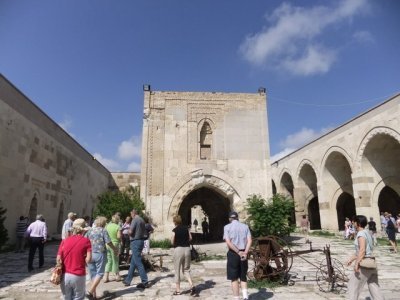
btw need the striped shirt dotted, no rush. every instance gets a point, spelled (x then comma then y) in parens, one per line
(37, 229)
(22, 225)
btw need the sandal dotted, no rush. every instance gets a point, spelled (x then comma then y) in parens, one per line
(176, 293)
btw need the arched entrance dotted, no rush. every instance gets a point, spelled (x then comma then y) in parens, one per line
(345, 208)
(389, 201)
(273, 188)
(287, 189)
(215, 206)
(313, 214)
(33, 208)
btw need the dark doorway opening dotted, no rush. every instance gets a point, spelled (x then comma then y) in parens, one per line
(313, 214)
(215, 206)
(389, 201)
(345, 208)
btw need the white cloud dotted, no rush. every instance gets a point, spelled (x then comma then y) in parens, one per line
(110, 164)
(302, 137)
(130, 149)
(289, 42)
(363, 37)
(134, 167)
(315, 60)
(281, 154)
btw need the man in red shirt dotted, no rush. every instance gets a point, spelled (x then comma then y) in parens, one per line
(74, 253)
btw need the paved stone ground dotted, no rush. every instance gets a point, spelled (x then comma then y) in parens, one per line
(209, 276)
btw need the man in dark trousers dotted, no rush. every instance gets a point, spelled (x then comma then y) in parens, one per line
(37, 233)
(238, 239)
(137, 234)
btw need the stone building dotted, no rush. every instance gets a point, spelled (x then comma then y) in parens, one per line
(203, 149)
(43, 170)
(353, 169)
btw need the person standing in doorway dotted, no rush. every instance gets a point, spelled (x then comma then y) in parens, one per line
(137, 234)
(238, 239)
(195, 224)
(67, 227)
(37, 233)
(22, 225)
(205, 228)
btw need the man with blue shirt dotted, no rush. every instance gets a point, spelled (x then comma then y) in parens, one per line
(238, 239)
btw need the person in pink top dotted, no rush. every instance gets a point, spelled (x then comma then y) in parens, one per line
(74, 253)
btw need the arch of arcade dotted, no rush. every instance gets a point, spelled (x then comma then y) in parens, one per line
(353, 169)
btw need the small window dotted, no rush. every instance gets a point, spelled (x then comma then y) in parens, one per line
(205, 141)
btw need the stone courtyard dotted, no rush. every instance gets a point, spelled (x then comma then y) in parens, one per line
(209, 276)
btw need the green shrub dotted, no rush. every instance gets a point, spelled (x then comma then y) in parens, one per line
(270, 217)
(123, 202)
(163, 244)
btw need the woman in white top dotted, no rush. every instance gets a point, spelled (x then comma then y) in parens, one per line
(364, 246)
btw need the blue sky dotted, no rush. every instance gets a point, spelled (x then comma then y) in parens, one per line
(84, 62)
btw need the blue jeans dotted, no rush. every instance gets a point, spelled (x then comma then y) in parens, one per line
(136, 262)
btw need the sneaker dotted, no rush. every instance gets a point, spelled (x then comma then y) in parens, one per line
(141, 285)
(125, 283)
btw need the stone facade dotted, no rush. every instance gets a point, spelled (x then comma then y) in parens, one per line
(123, 180)
(207, 149)
(43, 170)
(354, 169)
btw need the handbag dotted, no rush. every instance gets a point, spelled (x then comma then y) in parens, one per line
(56, 274)
(368, 263)
(194, 255)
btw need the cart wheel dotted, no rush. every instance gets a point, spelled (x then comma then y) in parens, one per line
(333, 280)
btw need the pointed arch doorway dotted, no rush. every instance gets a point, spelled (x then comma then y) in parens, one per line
(214, 206)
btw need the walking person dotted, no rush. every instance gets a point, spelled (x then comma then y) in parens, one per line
(114, 231)
(238, 239)
(67, 226)
(362, 275)
(391, 232)
(305, 227)
(195, 224)
(22, 225)
(372, 230)
(99, 238)
(149, 230)
(37, 233)
(180, 240)
(137, 234)
(74, 253)
(125, 238)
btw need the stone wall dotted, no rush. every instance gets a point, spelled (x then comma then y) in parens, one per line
(126, 179)
(43, 170)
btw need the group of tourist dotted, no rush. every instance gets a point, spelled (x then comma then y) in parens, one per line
(98, 248)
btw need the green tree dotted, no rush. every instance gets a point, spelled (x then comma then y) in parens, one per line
(121, 201)
(3, 230)
(270, 217)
